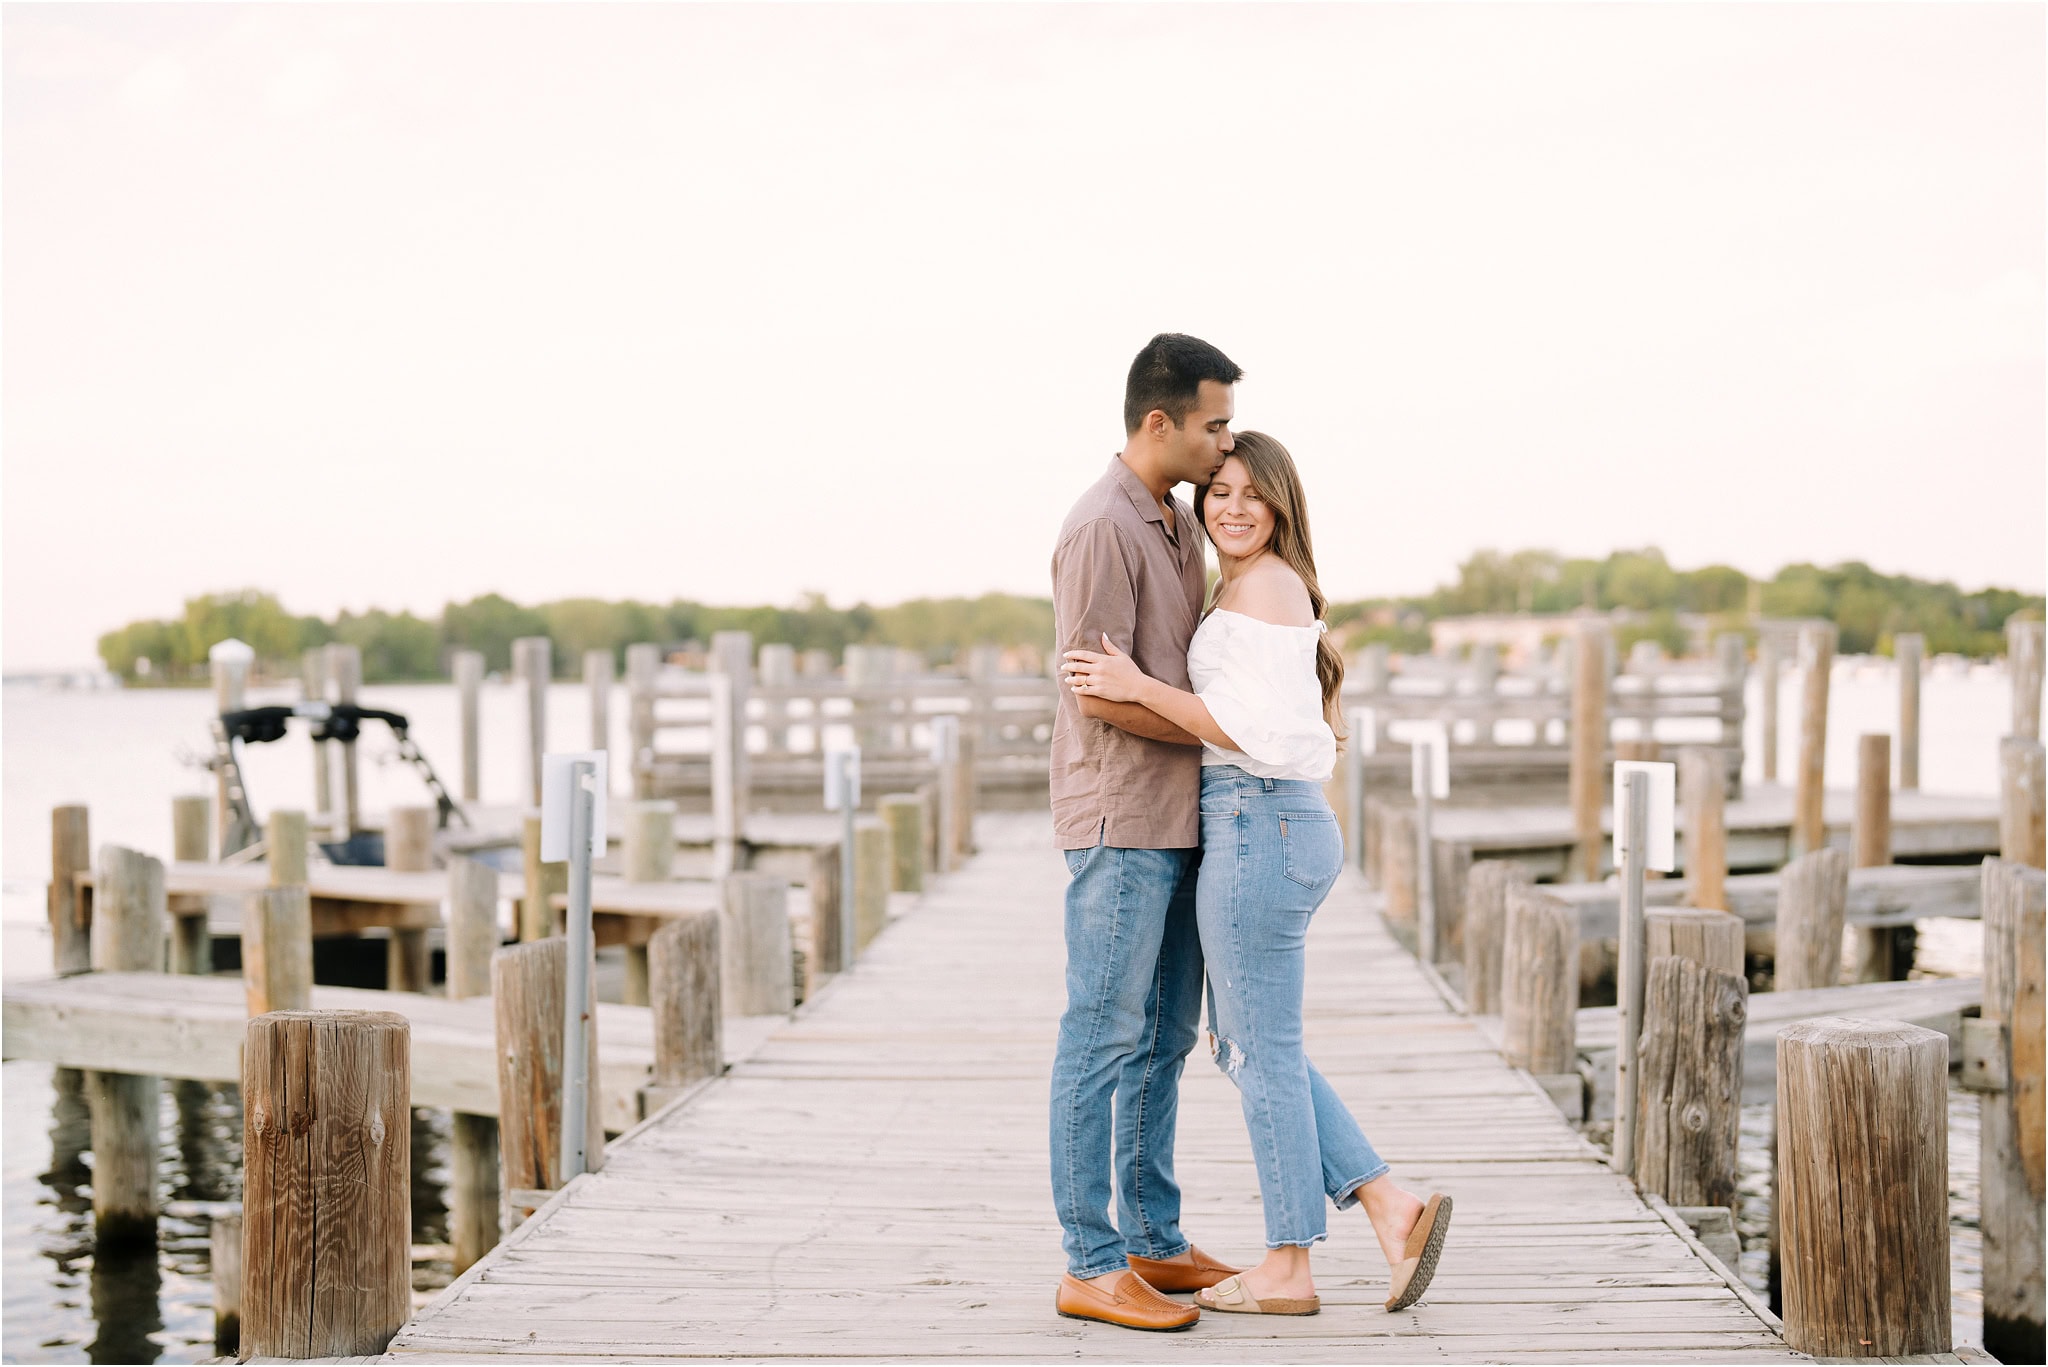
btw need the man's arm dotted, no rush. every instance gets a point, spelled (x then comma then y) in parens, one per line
(1136, 719)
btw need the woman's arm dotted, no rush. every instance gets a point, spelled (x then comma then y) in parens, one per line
(1112, 676)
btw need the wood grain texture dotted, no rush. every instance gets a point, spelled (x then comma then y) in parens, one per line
(684, 966)
(1863, 1188)
(327, 1194)
(130, 918)
(1690, 1071)
(543, 882)
(1485, 930)
(2009, 1121)
(529, 984)
(124, 1107)
(2022, 811)
(1813, 893)
(277, 950)
(1817, 661)
(1702, 797)
(826, 956)
(473, 934)
(1711, 938)
(758, 970)
(70, 910)
(1539, 982)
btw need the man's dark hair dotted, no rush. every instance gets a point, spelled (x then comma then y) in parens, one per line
(1168, 376)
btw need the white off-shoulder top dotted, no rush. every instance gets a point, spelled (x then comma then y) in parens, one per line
(1258, 680)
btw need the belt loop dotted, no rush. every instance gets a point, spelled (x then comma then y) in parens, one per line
(1268, 782)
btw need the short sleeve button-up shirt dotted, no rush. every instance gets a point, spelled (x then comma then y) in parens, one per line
(1121, 570)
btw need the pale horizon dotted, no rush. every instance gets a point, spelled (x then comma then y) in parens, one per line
(390, 306)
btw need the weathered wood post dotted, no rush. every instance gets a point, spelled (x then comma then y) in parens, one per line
(732, 655)
(727, 721)
(2002, 1060)
(966, 798)
(597, 677)
(1767, 663)
(1540, 983)
(1907, 650)
(1711, 938)
(2022, 817)
(313, 688)
(1702, 796)
(1374, 818)
(224, 1250)
(533, 663)
(943, 832)
(758, 973)
(1809, 815)
(870, 879)
(277, 925)
(1486, 897)
(1354, 789)
(1399, 883)
(327, 1186)
(1485, 668)
(191, 940)
(70, 912)
(903, 813)
(1879, 954)
(684, 965)
(643, 674)
(778, 671)
(529, 985)
(649, 854)
(468, 666)
(409, 848)
(2023, 658)
(473, 940)
(345, 671)
(1689, 1067)
(128, 931)
(544, 881)
(230, 681)
(1370, 665)
(826, 954)
(1863, 1187)
(1813, 898)
(1589, 747)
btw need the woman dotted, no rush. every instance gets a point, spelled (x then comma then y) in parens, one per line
(1265, 707)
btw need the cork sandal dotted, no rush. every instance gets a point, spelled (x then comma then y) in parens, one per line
(1419, 1255)
(1230, 1297)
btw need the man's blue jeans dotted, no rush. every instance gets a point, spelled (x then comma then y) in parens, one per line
(1134, 1000)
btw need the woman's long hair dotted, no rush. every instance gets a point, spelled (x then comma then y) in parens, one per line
(1278, 483)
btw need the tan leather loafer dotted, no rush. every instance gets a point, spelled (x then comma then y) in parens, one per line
(1418, 1257)
(1128, 1304)
(1198, 1273)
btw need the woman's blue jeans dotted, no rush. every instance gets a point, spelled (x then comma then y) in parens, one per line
(1134, 1009)
(1271, 851)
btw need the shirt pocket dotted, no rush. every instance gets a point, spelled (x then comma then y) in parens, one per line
(1312, 849)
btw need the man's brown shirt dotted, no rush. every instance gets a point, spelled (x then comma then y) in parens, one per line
(1120, 570)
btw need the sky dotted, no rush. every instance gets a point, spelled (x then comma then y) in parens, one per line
(386, 305)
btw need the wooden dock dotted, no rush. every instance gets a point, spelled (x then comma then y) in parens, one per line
(871, 1182)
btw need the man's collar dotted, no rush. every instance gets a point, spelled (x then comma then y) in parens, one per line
(1134, 488)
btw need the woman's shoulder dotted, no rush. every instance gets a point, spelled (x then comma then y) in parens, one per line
(1270, 591)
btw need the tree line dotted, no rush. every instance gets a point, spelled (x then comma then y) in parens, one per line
(1869, 608)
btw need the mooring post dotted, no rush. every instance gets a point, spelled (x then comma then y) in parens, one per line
(727, 718)
(345, 671)
(473, 938)
(468, 666)
(966, 796)
(758, 974)
(277, 924)
(529, 987)
(1631, 830)
(1879, 953)
(1863, 1186)
(2002, 1060)
(191, 939)
(230, 679)
(597, 678)
(842, 795)
(224, 1249)
(70, 909)
(643, 675)
(649, 853)
(732, 657)
(544, 879)
(1486, 897)
(1540, 983)
(1809, 815)
(684, 966)
(1767, 653)
(128, 934)
(1813, 898)
(903, 814)
(1907, 650)
(824, 954)
(1588, 779)
(2023, 659)
(577, 1024)
(777, 671)
(327, 1183)
(2022, 816)
(409, 848)
(870, 879)
(533, 663)
(1702, 795)
(1689, 1070)
(313, 689)
(946, 733)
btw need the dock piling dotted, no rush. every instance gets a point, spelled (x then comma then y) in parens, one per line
(1809, 816)
(277, 949)
(473, 938)
(533, 663)
(543, 881)
(313, 688)
(1767, 664)
(2022, 818)
(1702, 797)
(825, 955)
(1588, 780)
(1863, 1188)
(1486, 895)
(870, 879)
(2010, 1110)
(224, 1249)
(597, 678)
(529, 986)
(2023, 658)
(757, 973)
(649, 855)
(1690, 1070)
(345, 675)
(327, 1186)
(191, 941)
(468, 667)
(1880, 954)
(904, 815)
(69, 908)
(1908, 648)
(643, 673)
(1713, 938)
(683, 967)
(1539, 983)
(1813, 898)
(409, 848)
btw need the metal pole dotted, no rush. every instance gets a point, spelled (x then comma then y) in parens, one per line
(576, 1000)
(1632, 829)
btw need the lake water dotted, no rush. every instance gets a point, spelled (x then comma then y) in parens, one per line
(124, 754)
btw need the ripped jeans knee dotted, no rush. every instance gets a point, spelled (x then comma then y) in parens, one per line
(1228, 1053)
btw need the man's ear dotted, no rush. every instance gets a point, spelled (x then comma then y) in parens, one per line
(1157, 424)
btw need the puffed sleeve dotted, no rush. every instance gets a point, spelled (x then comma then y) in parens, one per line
(1266, 698)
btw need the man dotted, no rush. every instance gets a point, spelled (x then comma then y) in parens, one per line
(1126, 794)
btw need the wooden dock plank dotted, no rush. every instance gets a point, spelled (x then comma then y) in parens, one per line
(872, 1182)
